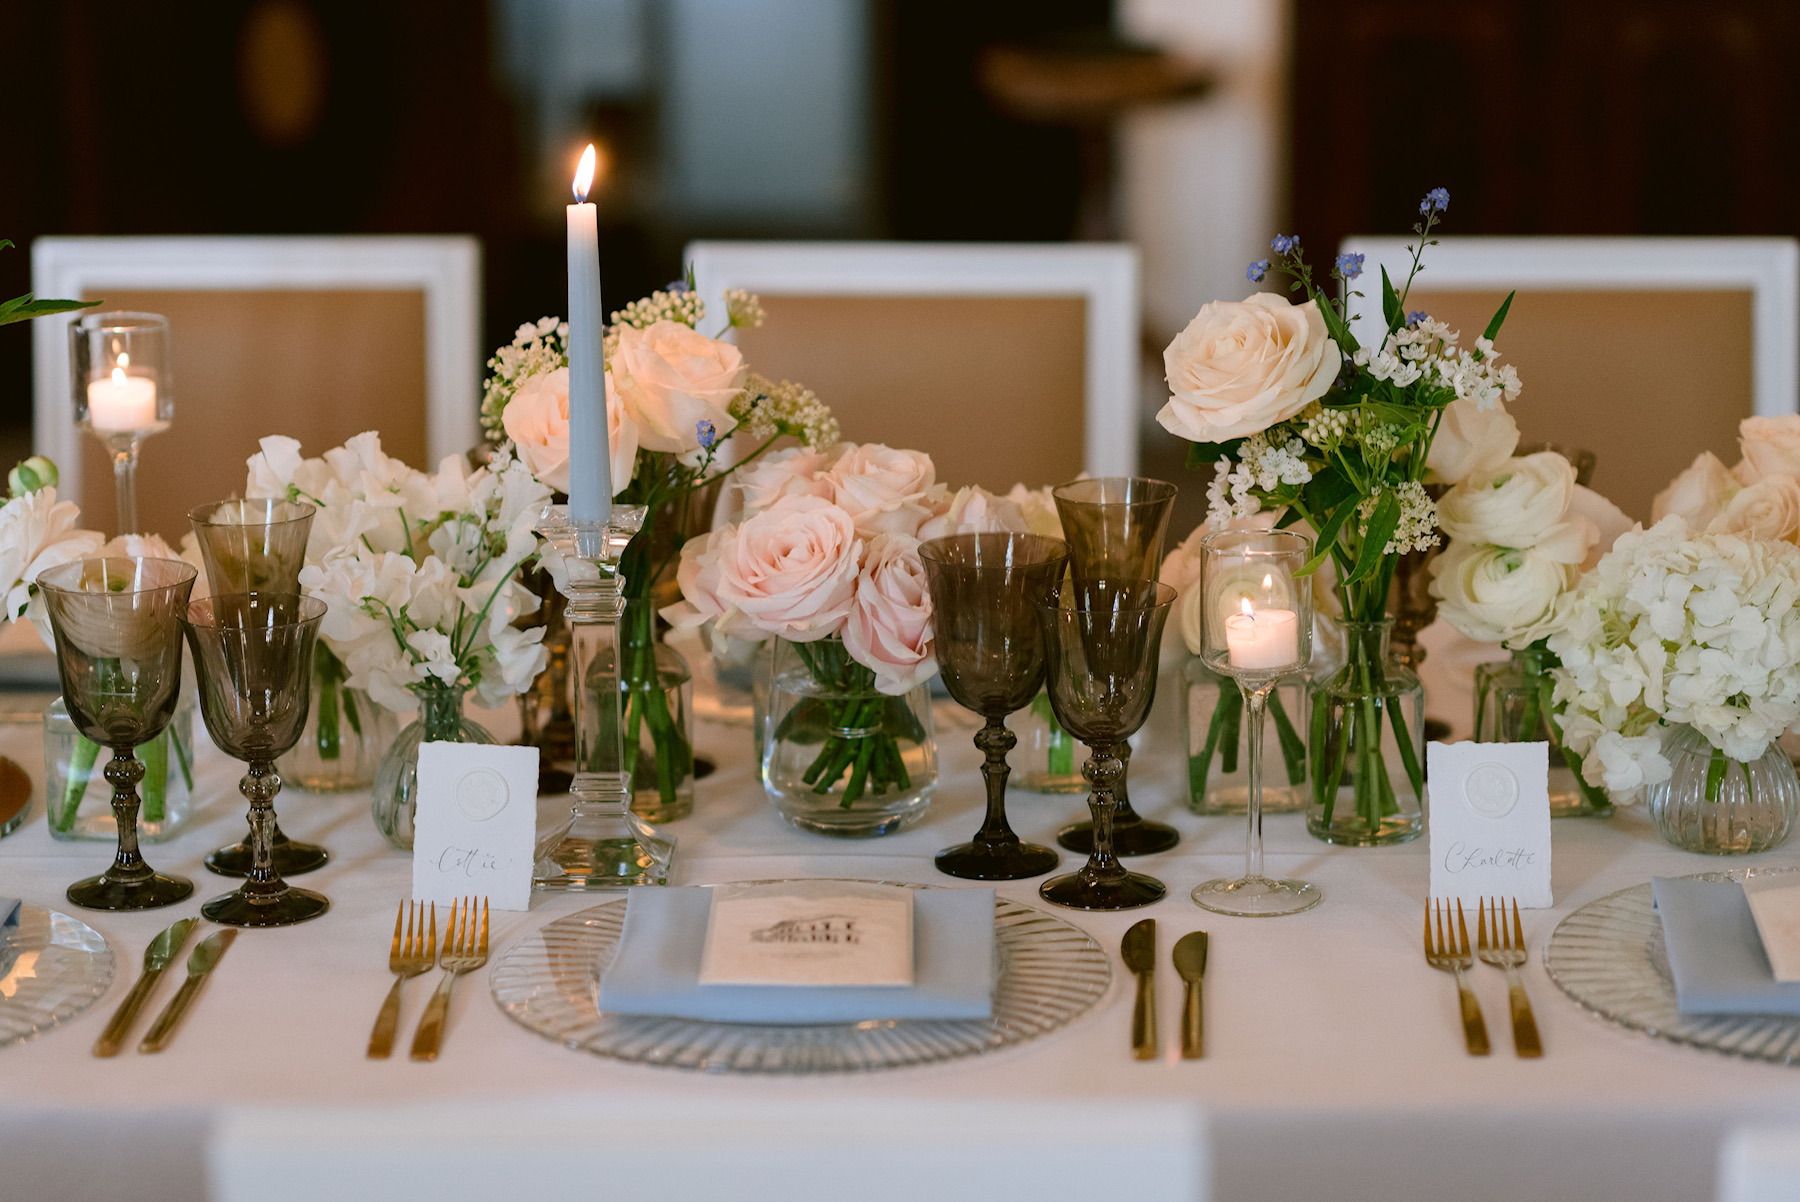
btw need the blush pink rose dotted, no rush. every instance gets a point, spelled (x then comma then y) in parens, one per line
(537, 421)
(789, 571)
(889, 628)
(871, 480)
(671, 378)
(795, 472)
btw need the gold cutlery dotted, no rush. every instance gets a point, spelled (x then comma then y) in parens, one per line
(1190, 962)
(1139, 952)
(1451, 954)
(158, 956)
(1508, 952)
(461, 954)
(203, 960)
(410, 959)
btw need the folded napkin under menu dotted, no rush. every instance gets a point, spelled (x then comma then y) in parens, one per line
(1715, 953)
(656, 969)
(9, 911)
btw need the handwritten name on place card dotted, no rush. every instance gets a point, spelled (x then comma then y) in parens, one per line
(1490, 821)
(476, 824)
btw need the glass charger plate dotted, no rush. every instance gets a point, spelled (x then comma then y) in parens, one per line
(1050, 973)
(52, 967)
(1609, 957)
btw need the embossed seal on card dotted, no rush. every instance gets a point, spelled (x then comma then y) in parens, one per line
(1492, 790)
(480, 794)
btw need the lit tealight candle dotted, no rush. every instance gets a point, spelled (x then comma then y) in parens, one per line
(122, 402)
(1263, 638)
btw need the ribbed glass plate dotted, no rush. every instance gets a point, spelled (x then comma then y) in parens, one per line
(1050, 973)
(1609, 957)
(52, 967)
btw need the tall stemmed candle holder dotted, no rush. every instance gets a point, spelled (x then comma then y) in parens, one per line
(1256, 623)
(604, 845)
(120, 372)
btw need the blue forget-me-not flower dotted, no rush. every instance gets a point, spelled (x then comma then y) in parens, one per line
(1258, 270)
(1436, 201)
(1284, 243)
(709, 434)
(1350, 266)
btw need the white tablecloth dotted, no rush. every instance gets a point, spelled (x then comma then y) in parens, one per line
(1335, 1065)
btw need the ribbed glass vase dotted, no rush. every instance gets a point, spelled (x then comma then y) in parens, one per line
(1721, 806)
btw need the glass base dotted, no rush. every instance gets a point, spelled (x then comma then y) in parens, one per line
(1140, 838)
(1257, 897)
(1349, 830)
(854, 824)
(106, 892)
(284, 909)
(288, 858)
(1080, 892)
(977, 861)
(581, 865)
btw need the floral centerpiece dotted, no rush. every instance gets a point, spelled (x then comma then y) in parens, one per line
(673, 398)
(1297, 414)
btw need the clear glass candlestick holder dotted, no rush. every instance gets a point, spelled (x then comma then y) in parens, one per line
(1256, 627)
(121, 387)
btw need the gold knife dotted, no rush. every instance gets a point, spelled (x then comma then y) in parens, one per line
(1190, 962)
(1139, 952)
(205, 957)
(158, 956)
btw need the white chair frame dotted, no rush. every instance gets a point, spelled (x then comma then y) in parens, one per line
(1105, 275)
(446, 269)
(1768, 267)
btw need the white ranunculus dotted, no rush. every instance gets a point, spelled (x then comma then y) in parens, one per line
(1771, 445)
(1501, 594)
(672, 378)
(37, 533)
(1513, 505)
(1698, 494)
(1471, 439)
(1240, 367)
(537, 421)
(1768, 509)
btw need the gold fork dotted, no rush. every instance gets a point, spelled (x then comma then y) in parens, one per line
(408, 959)
(462, 953)
(1508, 952)
(1451, 954)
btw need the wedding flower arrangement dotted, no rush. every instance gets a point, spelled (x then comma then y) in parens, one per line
(1759, 498)
(37, 533)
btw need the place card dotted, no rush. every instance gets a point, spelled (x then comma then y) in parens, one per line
(809, 933)
(1490, 821)
(475, 827)
(1775, 904)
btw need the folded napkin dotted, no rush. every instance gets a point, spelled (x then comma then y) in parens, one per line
(657, 967)
(9, 912)
(1715, 954)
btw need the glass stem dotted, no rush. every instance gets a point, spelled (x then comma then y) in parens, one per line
(995, 741)
(125, 488)
(1256, 702)
(1103, 770)
(259, 786)
(593, 616)
(123, 772)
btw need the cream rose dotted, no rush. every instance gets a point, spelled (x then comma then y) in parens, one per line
(1038, 507)
(889, 627)
(1607, 519)
(671, 379)
(1771, 445)
(1471, 439)
(1501, 594)
(1699, 494)
(1241, 367)
(870, 480)
(973, 510)
(790, 571)
(1767, 510)
(1513, 505)
(537, 421)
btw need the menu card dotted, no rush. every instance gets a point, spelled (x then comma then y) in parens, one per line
(1490, 821)
(809, 933)
(475, 829)
(1775, 904)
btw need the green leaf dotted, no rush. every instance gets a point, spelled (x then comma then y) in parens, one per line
(1328, 536)
(1338, 329)
(1382, 524)
(1390, 303)
(1206, 454)
(42, 308)
(1493, 327)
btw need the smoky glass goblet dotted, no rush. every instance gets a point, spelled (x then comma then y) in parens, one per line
(1115, 527)
(253, 655)
(1102, 638)
(118, 653)
(256, 545)
(985, 594)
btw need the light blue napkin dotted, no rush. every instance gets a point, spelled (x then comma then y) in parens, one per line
(1715, 954)
(657, 967)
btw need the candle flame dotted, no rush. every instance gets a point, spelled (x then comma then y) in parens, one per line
(118, 376)
(1244, 604)
(584, 174)
(124, 358)
(1269, 582)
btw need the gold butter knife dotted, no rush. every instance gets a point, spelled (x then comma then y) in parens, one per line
(202, 962)
(1190, 962)
(1139, 952)
(158, 956)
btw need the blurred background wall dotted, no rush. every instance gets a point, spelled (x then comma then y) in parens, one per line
(887, 119)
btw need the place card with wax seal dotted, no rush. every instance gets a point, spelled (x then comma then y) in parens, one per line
(1490, 821)
(809, 933)
(1775, 905)
(475, 828)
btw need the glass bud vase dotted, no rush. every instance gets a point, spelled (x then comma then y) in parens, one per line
(78, 799)
(840, 757)
(1366, 743)
(344, 736)
(1218, 774)
(1512, 705)
(1047, 758)
(394, 797)
(1724, 807)
(656, 703)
